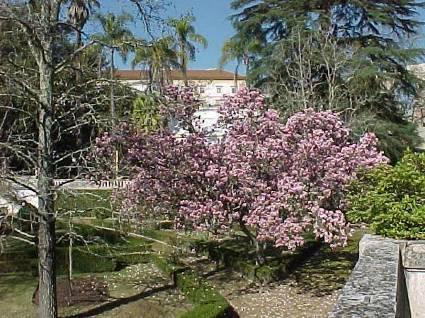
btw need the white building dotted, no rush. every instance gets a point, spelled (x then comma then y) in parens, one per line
(211, 85)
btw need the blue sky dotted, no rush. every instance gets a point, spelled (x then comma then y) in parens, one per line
(211, 21)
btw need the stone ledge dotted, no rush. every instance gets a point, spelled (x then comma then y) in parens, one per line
(371, 290)
(413, 254)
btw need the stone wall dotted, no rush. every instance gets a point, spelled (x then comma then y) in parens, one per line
(387, 281)
(372, 287)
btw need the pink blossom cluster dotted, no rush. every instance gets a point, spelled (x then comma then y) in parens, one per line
(275, 181)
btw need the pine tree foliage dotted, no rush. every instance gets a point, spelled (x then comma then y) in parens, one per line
(347, 56)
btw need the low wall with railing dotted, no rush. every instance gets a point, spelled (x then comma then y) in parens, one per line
(74, 183)
(86, 184)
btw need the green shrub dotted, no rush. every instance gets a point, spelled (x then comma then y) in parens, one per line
(392, 199)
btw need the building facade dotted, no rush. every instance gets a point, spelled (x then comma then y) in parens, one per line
(211, 85)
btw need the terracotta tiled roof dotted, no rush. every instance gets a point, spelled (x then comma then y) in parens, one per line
(213, 74)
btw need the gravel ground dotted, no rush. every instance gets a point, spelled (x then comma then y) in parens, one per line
(282, 299)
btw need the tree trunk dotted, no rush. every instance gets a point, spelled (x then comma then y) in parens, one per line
(186, 81)
(46, 232)
(71, 243)
(184, 64)
(77, 58)
(78, 75)
(236, 78)
(245, 230)
(47, 276)
(70, 260)
(259, 251)
(99, 66)
(112, 86)
(247, 73)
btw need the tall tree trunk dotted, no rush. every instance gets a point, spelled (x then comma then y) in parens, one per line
(78, 75)
(77, 58)
(186, 81)
(46, 232)
(47, 276)
(70, 262)
(70, 246)
(247, 73)
(236, 77)
(99, 66)
(112, 86)
(184, 64)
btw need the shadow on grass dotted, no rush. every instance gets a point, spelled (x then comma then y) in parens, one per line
(327, 270)
(119, 302)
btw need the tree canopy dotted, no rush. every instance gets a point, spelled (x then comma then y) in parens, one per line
(318, 50)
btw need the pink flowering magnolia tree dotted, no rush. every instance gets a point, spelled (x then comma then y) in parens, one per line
(274, 181)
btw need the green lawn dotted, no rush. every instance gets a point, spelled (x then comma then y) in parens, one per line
(16, 294)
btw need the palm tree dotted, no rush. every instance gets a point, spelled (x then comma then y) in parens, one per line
(186, 38)
(79, 12)
(236, 49)
(158, 58)
(117, 38)
(232, 50)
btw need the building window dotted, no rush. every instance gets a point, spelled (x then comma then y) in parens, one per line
(233, 89)
(219, 89)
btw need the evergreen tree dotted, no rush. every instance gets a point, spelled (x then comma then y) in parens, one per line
(316, 49)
